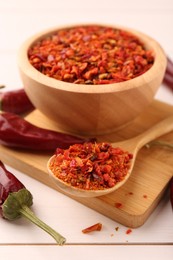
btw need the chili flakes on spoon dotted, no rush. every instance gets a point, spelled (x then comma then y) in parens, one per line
(91, 166)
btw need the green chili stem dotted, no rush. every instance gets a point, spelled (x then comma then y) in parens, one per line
(159, 143)
(27, 213)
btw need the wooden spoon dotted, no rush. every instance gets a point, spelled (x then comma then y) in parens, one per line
(132, 145)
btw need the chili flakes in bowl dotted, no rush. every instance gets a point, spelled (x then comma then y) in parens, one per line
(91, 54)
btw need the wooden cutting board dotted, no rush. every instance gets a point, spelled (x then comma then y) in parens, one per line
(133, 203)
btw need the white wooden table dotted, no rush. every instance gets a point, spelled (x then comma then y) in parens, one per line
(20, 239)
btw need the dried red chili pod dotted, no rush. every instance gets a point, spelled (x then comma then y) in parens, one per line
(169, 67)
(168, 80)
(16, 200)
(8, 183)
(19, 133)
(168, 77)
(15, 101)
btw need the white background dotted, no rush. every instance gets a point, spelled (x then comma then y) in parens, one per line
(22, 240)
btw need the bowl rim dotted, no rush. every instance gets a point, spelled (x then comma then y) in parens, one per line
(29, 70)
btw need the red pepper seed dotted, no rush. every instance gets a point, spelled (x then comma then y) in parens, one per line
(91, 55)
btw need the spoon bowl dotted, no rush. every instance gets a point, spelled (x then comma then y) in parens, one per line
(132, 145)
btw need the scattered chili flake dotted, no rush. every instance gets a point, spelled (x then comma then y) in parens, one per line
(91, 166)
(116, 228)
(145, 196)
(91, 54)
(96, 227)
(128, 231)
(118, 205)
(130, 193)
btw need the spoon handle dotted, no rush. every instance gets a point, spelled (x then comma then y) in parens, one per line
(163, 127)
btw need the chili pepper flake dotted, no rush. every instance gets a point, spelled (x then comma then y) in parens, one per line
(118, 205)
(130, 193)
(91, 55)
(128, 231)
(116, 228)
(91, 166)
(145, 196)
(95, 227)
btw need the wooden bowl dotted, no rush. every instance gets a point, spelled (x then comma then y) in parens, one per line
(93, 109)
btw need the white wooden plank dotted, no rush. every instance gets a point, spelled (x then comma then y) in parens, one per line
(87, 252)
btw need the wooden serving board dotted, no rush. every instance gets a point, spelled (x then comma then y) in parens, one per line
(133, 203)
